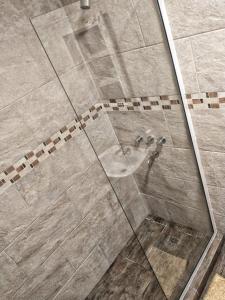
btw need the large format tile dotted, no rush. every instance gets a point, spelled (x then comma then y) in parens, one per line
(191, 17)
(46, 110)
(138, 66)
(15, 216)
(11, 277)
(209, 127)
(208, 51)
(187, 193)
(53, 176)
(46, 281)
(88, 234)
(217, 197)
(218, 163)
(80, 88)
(24, 67)
(15, 135)
(86, 277)
(129, 125)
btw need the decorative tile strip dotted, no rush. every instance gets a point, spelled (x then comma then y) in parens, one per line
(210, 100)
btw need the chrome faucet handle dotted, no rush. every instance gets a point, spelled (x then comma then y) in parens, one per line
(138, 140)
(150, 140)
(161, 141)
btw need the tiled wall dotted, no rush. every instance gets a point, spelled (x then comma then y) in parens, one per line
(58, 210)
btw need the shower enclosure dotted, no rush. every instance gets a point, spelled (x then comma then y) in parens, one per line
(117, 65)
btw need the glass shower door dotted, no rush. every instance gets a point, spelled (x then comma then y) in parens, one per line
(114, 64)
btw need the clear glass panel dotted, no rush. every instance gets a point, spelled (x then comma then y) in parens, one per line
(114, 64)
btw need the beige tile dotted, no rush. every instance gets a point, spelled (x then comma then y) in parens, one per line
(217, 197)
(138, 66)
(46, 110)
(181, 192)
(129, 125)
(80, 88)
(208, 51)
(191, 17)
(208, 166)
(116, 238)
(216, 288)
(178, 128)
(86, 277)
(150, 21)
(16, 137)
(189, 217)
(218, 163)
(87, 235)
(156, 206)
(220, 222)
(15, 216)
(24, 67)
(11, 277)
(53, 176)
(209, 127)
(48, 279)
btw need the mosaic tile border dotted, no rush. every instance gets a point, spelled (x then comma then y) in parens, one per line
(210, 100)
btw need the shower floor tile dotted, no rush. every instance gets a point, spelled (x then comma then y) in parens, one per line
(172, 251)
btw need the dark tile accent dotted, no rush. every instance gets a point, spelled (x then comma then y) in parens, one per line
(112, 100)
(115, 108)
(214, 105)
(9, 170)
(174, 102)
(221, 100)
(40, 153)
(136, 103)
(71, 129)
(144, 99)
(29, 155)
(68, 137)
(95, 116)
(197, 101)
(166, 107)
(63, 129)
(51, 150)
(147, 107)
(34, 163)
(15, 178)
(56, 141)
(86, 118)
(91, 108)
(2, 182)
(20, 168)
(211, 94)
(154, 103)
(48, 141)
(164, 97)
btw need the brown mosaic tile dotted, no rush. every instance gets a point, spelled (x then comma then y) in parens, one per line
(20, 168)
(40, 153)
(164, 97)
(115, 108)
(212, 95)
(91, 108)
(34, 163)
(221, 100)
(174, 102)
(128, 100)
(154, 103)
(136, 104)
(56, 141)
(2, 182)
(71, 129)
(147, 107)
(99, 108)
(63, 129)
(68, 137)
(144, 99)
(15, 178)
(214, 105)
(29, 155)
(51, 150)
(166, 107)
(47, 142)
(9, 170)
(130, 107)
(86, 118)
(197, 101)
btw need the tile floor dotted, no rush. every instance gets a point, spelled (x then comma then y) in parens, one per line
(172, 250)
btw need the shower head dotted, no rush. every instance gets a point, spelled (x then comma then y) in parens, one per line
(85, 4)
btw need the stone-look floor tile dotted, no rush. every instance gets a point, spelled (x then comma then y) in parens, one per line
(178, 128)
(80, 88)
(197, 219)
(46, 110)
(220, 222)
(173, 163)
(24, 67)
(129, 125)
(46, 281)
(190, 18)
(15, 216)
(87, 235)
(209, 127)
(217, 197)
(101, 134)
(53, 176)
(127, 279)
(116, 238)
(136, 68)
(16, 137)
(208, 166)
(86, 277)
(208, 50)
(11, 277)
(46, 233)
(157, 206)
(182, 192)
(150, 21)
(216, 288)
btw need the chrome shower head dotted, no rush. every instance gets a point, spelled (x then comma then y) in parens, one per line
(85, 4)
